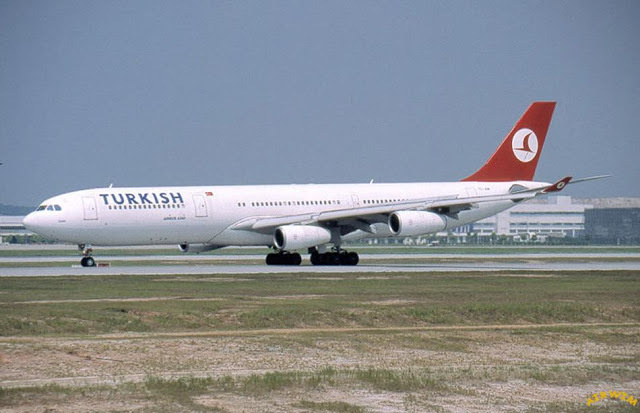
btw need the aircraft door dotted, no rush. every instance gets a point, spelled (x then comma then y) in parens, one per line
(201, 205)
(355, 200)
(90, 210)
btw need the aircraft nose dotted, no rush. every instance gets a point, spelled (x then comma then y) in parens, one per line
(30, 221)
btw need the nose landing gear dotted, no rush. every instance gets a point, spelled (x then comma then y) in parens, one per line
(87, 260)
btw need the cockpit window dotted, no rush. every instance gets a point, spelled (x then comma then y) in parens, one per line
(49, 208)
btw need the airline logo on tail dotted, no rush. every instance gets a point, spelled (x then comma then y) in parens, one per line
(525, 145)
(517, 156)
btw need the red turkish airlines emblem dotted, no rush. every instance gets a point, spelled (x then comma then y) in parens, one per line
(525, 145)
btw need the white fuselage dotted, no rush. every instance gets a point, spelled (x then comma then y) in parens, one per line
(206, 214)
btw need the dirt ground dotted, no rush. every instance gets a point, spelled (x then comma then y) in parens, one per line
(509, 368)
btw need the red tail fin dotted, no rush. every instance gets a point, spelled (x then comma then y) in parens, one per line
(517, 157)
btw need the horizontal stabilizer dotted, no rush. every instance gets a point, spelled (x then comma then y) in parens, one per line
(591, 178)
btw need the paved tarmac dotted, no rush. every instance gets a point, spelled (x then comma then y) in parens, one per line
(364, 257)
(235, 269)
(184, 264)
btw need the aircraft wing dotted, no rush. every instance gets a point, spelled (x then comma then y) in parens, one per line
(365, 215)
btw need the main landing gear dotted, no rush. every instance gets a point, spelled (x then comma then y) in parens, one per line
(284, 258)
(339, 257)
(87, 260)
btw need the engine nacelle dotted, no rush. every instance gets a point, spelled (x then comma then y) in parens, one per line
(295, 237)
(412, 223)
(197, 248)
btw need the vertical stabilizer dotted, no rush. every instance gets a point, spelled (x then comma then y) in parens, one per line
(517, 157)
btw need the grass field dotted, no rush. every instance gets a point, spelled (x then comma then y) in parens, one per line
(115, 304)
(505, 341)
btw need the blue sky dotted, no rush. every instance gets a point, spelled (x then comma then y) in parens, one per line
(150, 93)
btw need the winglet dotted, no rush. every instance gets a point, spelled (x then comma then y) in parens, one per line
(517, 157)
(558, 186)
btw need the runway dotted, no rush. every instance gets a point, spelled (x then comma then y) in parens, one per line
(484, 266)
(364, 257)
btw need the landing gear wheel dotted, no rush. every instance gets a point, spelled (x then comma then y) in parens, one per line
(352, 258)
(335, 258)
(348, 258)
(88, 262)
(284, 259)
(296, 259)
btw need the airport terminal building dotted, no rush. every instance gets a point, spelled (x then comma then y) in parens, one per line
(11, 227)
(601, 220)
(556, 216)
(613, 221)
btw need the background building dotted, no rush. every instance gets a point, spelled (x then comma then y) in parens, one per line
(613, 221)
(598, 220)
(555, 216)
(11, 227)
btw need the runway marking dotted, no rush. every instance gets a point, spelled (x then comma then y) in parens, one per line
(314, 330)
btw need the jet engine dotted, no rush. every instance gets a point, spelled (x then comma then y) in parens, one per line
(411, 223)
(197, 248)
(295, 237)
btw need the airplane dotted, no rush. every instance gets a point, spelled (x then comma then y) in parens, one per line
(290, 218)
